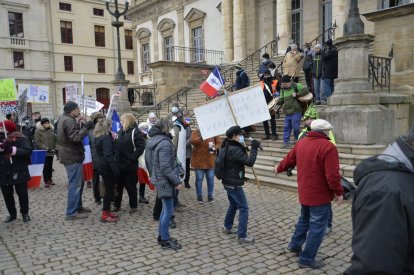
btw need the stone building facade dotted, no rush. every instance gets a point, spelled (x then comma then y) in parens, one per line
(61, 41)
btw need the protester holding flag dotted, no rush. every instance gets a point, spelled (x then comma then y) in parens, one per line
(106, 165)
(129, 147)
(15, 152)
(71, 154)
(45, 139)
(213, 84)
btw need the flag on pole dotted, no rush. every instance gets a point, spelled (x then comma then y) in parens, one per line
(87, 162)
(36, 168)
(213, 83)
(116, 123)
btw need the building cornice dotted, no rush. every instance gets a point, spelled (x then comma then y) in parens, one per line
(13, 4)
(390, 13)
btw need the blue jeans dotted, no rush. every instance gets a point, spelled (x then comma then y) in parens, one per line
(237, 200)
(199, 181)
(166, 213)
(317, 88)
(328, 88)
(75, 187)
(291, 121)
(310, 229)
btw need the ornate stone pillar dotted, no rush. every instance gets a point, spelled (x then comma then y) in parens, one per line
(239, 30)
(155, 40)
(180, 28)
(340, 10)
(227, 19)
(284, 23)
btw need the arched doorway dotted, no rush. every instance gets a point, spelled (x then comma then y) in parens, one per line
(102, 96)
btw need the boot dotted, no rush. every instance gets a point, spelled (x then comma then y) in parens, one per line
(267, 137)
(106, 217)
(51, 182)
(47, 184)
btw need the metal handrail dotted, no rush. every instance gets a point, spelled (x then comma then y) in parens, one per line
(330, 31)
(196, 55)
(176, 97)
(379, 72)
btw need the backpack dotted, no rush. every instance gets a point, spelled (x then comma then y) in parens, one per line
(220, 163)
(247, 80)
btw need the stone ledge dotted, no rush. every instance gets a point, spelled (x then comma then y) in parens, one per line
(385, 98)
(365, 98)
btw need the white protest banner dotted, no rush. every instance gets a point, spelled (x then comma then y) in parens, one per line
(35, 93)
(113, 105)
(215, 117)
(90, 102)
(71, 91)
(98, 107)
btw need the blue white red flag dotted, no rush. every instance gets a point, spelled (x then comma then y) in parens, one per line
(36, 168)
(214, 82)
(116, 123)
(87, 162)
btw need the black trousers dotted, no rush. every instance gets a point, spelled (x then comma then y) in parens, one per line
(157, 209)
(95, 185)
(129, 180)
(187, 170)
(47, 169)
(272, 123)
(309, 80)
(109, 180)
(21, 190)
(142, 190)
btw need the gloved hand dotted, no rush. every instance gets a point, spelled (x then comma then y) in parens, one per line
(88, 125)
(255, 144)
(289, 172)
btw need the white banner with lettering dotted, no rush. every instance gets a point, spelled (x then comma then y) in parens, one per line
(249, 107)
(71, 91)
(35, 93)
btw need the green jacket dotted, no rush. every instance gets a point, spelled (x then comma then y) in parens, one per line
(291, 105)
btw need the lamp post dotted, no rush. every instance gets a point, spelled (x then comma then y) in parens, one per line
(117, 24)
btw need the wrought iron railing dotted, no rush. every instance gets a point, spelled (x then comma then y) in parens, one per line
(180, 96)
(250, 63)
(142, 95)
(330, 32)
(195, 55)
(379, 72)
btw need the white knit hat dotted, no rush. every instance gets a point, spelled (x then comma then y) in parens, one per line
(320, 125)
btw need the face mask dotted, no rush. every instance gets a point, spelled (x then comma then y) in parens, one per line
(188, 120)
(174, 109)
(152, 120)
(241, 139)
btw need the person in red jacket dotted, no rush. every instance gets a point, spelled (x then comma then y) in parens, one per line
(319, 182)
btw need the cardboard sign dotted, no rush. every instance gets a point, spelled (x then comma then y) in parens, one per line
(22, 105)
(35, 93)
(215, 117)
(71, 91)
(90, 102)
(98, 107)
(8, 89)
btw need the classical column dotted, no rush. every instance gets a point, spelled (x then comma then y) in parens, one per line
(239, 30)
(180, 28)
(227, 19)
(284, 23)
(155, 40)
(340, 9)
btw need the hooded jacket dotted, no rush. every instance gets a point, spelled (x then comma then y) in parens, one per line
(383, 213)
(330, 63)
(44, 138)
(161, 163)
(291, 105)
(126, 156)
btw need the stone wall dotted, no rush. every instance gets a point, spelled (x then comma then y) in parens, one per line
(171, 76)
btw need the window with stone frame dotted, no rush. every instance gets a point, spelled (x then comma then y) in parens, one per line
(128, 40)
(297, 22)
(99, 36)
(145, 60)
(101, 66)
(66, 32)
(326, 23)
(166, 28)
(16, 24)
(98, 12)
(195, 21)
(65, 6)
(130, 67)
(198, 44)
(18, 60)
(386, 4)
(168, 48)
(68, 63)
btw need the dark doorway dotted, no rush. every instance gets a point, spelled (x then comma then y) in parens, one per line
(102, 96)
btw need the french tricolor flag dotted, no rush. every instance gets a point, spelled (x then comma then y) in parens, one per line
(212, 85)
(116, 123)
(87, 162)
(36, 168)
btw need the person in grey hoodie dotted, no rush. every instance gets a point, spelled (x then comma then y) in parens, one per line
(162, 167)
(383, 212)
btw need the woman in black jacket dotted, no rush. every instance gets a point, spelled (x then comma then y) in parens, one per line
(129, 146)
(15, 153)
(106, 165)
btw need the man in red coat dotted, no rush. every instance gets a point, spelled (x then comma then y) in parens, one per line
(319, 182)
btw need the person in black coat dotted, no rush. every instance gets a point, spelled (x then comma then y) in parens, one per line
(15, 153)
(106, 165)
(234, 155)
(242, 79)
(129, 146)
(383, 212)
(329, 70)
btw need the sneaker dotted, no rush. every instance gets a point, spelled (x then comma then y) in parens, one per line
(75, 217)
(47, 184)
(316, 264)
(246, 240)
(84, 210)
(112, 214)
(200, 200)
(10, 219)
(171, 239)
(132, 210)
(294, 250)
(106, 217)
(211, 199)
(143, 200)
(267, 137)
(26, 218)
(169, 244)
(228, 231)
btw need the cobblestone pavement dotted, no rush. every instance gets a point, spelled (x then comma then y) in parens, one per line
(51, 245)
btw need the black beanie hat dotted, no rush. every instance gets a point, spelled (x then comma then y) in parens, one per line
(70, 106)
(44, 120)
(234, 131)
(329, 43)
(286, 79)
